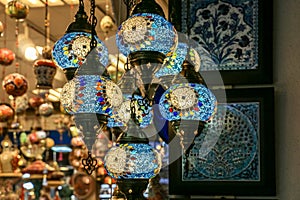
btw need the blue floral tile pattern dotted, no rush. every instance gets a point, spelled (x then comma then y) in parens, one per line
(146, 32)
(227, 30)
(228, 148)
(71, 50)
(172, 64)
(132, 161)
(188, 101)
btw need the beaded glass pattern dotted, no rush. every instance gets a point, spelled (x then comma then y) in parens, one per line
(132, 161)
(67, 96)
(227, 149)
(146, 32)
(71, 50)
(189, 101)
(96, 94)
(172, 64)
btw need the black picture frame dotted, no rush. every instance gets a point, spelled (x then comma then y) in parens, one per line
(266, 185)
(182, 14)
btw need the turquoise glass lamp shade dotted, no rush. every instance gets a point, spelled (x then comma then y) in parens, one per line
(188, 101)
(146, 32)
(94, 91)
(96, 94)
(132, 161)
(172, 63)
(71, 50)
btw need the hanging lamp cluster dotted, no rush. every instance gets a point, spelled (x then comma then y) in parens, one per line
(155, 56)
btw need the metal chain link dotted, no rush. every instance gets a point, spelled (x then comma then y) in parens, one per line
(93, 21)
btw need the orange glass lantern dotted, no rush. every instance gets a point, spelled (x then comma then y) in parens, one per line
(6, 56)
(15, 84)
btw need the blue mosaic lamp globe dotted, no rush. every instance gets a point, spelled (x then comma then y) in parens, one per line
(132, 161)
(95, 96)
(70, 51)
(188, 101)
(146, 32)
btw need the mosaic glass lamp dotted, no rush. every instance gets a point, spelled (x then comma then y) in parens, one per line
(132, 162)
(44, 71)
(70, 51)
(95, 95)
(188, 104)
(146, 37)
(146, 32)
(6, 56)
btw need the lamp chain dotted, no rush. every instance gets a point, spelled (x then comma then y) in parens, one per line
(93, 21)
(90, 163)
(46, 24)
(4, 43)
(17, 45)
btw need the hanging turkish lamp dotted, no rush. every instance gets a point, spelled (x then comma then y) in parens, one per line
(17, 9)
(44, 71)
(132, 162)
(189, 103)
(95, 95)
(70, 51)
(15, 84)
(146, 37)
(6, 56)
